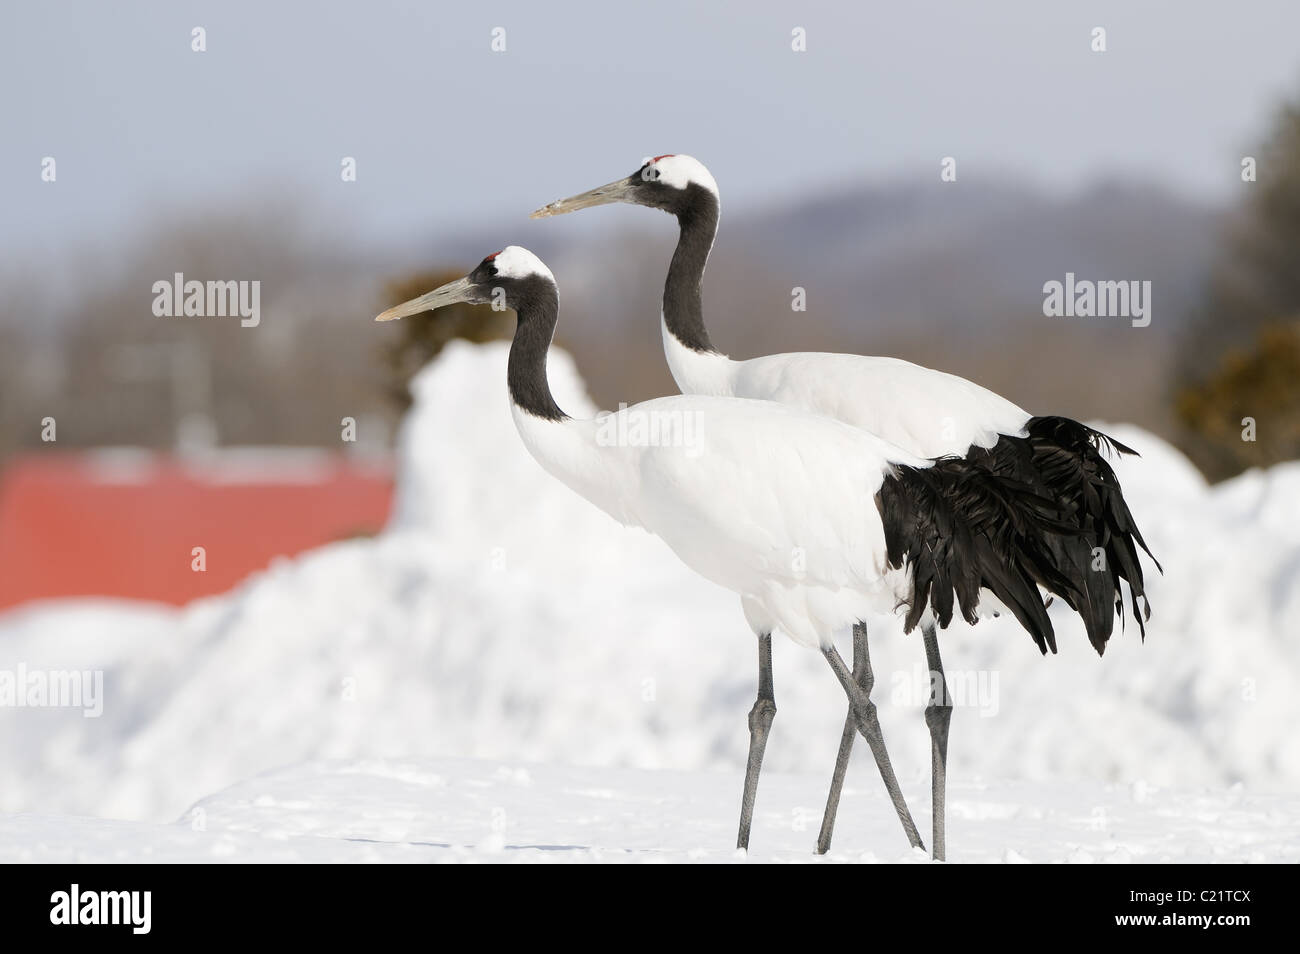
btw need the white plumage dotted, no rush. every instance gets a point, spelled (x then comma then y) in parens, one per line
(679, 172)
(775, 504)
(929, 413)
(516, 262)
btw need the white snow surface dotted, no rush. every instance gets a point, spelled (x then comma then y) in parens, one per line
(457, 810)
(500, 618)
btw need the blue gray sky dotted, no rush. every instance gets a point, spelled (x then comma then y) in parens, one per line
(447, 133)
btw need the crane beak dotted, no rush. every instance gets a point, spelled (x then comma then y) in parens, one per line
(617, 191)
(462, 289)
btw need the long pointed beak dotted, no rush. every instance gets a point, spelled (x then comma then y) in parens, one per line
(618, 191)
(462, 289)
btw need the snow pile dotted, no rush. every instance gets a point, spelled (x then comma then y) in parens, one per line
(501, 617)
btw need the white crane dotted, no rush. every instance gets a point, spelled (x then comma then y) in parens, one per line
(925, 412)
(876, 529)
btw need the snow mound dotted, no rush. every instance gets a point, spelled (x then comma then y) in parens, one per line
(499, 616)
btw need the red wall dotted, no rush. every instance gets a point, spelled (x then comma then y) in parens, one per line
(113, 523)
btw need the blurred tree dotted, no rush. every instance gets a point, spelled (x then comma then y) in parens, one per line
(1240, 358)
(79, 341)
(1247, 412)
(422, 337)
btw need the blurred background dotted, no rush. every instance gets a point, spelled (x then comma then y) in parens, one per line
(227, 163)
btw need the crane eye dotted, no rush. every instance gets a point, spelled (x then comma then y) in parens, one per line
(649, 173)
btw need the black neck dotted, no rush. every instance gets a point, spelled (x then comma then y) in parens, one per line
(683, 306)
(537, 307)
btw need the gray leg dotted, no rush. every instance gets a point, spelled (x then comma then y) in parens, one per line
(864, 678)
(760, 721)
(864, 712)
(937, 716)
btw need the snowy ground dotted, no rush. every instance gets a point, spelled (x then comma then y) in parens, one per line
(457, 810)
(502, 619)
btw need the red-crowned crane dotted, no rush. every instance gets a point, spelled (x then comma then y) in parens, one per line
(877, 529)
(928, 413)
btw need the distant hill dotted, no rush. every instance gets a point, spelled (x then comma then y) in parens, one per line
(956, 255)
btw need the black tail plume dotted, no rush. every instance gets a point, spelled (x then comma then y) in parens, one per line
(960, 527)
(1065, 461)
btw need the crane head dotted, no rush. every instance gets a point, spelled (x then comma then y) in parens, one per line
(673, 183)
(504, 279)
